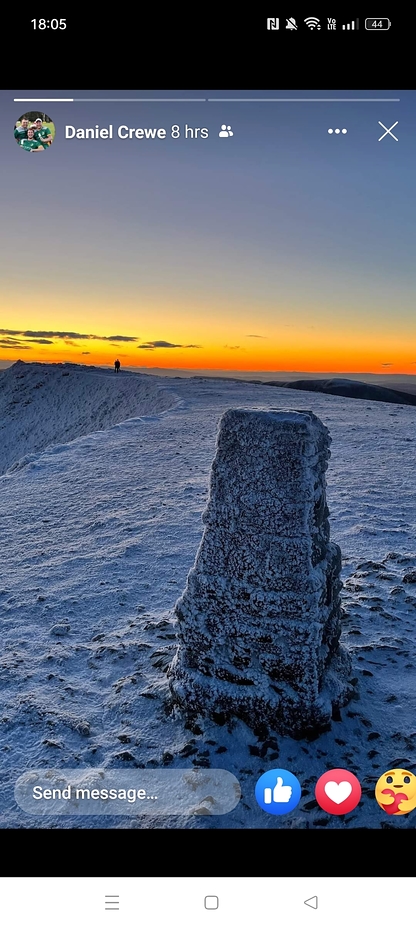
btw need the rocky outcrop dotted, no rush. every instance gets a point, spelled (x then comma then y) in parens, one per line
(259, 622)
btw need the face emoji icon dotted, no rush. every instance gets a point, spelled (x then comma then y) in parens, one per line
(396, 791)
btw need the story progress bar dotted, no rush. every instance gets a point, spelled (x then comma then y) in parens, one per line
(206, 100)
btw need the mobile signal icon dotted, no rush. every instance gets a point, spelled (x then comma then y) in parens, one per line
(312, 22)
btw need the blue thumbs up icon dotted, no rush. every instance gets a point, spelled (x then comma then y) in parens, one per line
(278, 792)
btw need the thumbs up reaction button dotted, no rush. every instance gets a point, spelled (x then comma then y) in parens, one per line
(278, 792)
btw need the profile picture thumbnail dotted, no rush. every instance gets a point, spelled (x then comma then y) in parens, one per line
(34, 131)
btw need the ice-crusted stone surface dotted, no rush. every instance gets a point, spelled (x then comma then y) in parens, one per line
(259, 622)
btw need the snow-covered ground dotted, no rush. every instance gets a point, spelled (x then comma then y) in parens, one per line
(98, 536)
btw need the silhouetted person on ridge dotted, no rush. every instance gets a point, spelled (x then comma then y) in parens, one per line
(117, 366)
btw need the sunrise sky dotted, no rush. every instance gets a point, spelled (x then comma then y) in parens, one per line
(281, 248)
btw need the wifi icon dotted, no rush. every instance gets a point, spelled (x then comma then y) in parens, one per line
(312, 22)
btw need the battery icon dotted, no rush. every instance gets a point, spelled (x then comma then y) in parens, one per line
(377, 25)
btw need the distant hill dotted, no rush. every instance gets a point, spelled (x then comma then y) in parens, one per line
(354, 389)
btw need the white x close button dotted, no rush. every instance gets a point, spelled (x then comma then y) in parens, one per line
(388, 131)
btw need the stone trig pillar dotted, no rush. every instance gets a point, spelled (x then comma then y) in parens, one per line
(259, 622)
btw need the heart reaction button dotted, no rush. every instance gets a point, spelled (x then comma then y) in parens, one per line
(338, 791)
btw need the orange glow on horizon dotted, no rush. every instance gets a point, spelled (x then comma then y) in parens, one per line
(311, 358)
(313, 344)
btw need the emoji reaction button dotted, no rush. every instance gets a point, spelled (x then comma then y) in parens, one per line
(338, 791)
(278, 791)
(396, 791)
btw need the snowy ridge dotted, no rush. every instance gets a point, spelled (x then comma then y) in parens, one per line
(49, 404)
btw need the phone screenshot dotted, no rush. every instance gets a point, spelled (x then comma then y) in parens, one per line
(207, 423)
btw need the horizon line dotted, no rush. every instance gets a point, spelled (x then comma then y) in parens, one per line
(213, 369)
